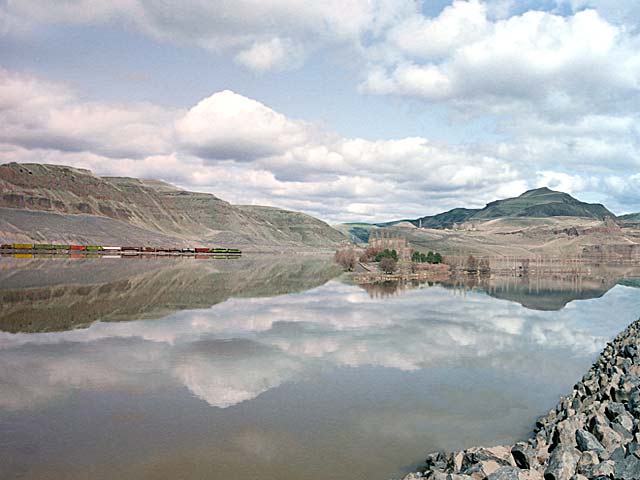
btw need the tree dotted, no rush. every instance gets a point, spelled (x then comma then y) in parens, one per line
(346, 258)
(437, 258)
(388, 265)
(430, 257)
(387, 254)
(370, 253)
(472, 264)
(483, 266)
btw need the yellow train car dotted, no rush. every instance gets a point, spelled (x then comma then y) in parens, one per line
(23, 246)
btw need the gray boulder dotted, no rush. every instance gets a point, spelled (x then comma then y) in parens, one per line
(504, 473)
(588, 442)
(562, 464)
(627, 468)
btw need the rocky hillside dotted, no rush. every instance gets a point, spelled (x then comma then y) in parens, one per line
(593, 433)
(538, 203)
(62, 204)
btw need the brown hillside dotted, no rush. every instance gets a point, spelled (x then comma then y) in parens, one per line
(57, 203)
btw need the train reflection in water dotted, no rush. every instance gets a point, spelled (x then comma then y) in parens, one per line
(25, 250)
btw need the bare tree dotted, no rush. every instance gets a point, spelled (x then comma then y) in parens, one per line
(370, 253)
(346, 258)
(472, 264)
(388, 265)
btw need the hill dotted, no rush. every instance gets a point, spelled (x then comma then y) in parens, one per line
(54, 203)
(537, 203)
(633, 218)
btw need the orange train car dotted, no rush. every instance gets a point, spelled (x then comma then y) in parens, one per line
(77, 247)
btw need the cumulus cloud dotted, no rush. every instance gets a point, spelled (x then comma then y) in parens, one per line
(274, 54)
(230, 126)
(41, 115)
(253, 30)
(538, 61)
(245, 152)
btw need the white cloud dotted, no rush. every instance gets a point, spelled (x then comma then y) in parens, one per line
(37, 114)
(274, 54)
(252, 29)
(229, 126)
(538, 61)
(245, 152)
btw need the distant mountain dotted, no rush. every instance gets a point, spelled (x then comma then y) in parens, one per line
(630, 218)
(537, 203)
(53, 203)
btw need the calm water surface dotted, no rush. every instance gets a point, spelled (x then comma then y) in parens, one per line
(273, 369)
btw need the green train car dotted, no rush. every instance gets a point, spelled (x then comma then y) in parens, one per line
(94, 248)
(43, 246)
(62, 247)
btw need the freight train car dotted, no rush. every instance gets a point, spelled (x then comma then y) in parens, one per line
(203, 250)
(77, 247)
(23, 246)
(94, 248)
(43, 246)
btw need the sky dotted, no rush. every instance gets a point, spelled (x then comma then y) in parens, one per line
(350, 110)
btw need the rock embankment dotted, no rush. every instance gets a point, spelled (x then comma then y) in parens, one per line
(593, 433)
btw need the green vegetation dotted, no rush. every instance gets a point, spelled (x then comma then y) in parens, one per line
(386, 253)
(430, 257)
(388, 265)
(446, 219)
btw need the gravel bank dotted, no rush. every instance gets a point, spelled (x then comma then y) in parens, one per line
(593, 433)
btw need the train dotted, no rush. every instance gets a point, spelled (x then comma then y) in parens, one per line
(50, 247)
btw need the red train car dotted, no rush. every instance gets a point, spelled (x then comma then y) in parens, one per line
(77, 247)
(203, 250)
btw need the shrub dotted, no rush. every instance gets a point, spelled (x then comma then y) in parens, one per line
(370, 253)
(430, 257)
(346, 258)
(388, 265)
(472, 264)
(386, 253)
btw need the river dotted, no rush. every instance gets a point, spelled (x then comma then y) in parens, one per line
(268, 368)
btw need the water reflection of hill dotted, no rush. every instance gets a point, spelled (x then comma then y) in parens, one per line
(547, 292)
(53, 295)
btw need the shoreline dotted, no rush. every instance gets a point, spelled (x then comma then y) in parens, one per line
(593, 433)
